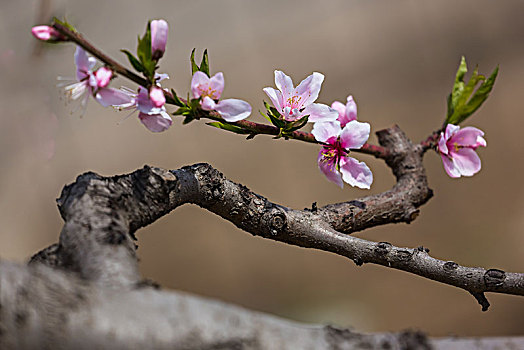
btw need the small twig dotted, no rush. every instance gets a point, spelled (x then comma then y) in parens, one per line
(78, 39)
(256, 128)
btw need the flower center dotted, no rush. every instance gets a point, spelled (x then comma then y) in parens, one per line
(206, 90)
(294, 101)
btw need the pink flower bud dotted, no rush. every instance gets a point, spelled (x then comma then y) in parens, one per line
(159, 29)
(156, 95)
(47, 33)
(103, 77)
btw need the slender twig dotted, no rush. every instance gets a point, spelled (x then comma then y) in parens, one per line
(255, 128)
(78, 39)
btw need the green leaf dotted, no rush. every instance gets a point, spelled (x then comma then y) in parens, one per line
(176, 100)
(181, 111)
(65, 24)
(279, 123)
(274, 116)
(465, 97)
(188, 119)
(229, 127)
(298, 124)
(265, 116)
(134, 61)
(482, 93)
(204, 65)
(144, 54)
(194, 67)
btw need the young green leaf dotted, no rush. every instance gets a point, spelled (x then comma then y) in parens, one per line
(176, 100)
(464, 100)
(229, 127)
(194, 67)
(134, 61)
(188, 119)
(65, 24)
(204, 65)
(144, 54)
(298, 124)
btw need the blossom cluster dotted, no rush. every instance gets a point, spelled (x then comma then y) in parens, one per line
(335, 127)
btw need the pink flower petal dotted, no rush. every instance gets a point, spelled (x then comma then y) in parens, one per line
(83, 63)
(320, 113)
(351, 111)
(156, 95)
(466, 161)
(450, 167)
(161, 76)
(275, 96)
(113, 97)
(159, 30)
(340, 108)
(326, 130)
(468, 137)
(156, 122)
(233, 110)
(328, 167)
(143, 102)
(354, 134)
(103, 77)
(216, 84)
(309, 88)
(442, 145)
(199, 83)
(208, 104)
(284, 84)
(450, 130)
(356, 173)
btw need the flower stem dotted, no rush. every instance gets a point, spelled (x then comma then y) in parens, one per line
(86, 45)
(255, 128)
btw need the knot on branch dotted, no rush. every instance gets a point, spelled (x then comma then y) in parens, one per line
(210, 180)
(494, 278)
(276, 221)
(145, 195)
(404, 255)
(76, 189)
(450, 265)
(383, 248)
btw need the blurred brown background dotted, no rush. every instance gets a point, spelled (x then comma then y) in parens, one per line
(398, 59)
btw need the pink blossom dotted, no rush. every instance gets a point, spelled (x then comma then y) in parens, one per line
(209, 91)
(157, 97)
(347, 112)
(103, 76)
(295, 103)
(89, 82)
(457, 149)
(47, 33)
(333, 159)
(153, 115)
(159, 30)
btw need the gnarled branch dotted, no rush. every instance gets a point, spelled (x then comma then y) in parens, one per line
(102, 214)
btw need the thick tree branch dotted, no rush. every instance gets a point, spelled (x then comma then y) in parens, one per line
(100, 211)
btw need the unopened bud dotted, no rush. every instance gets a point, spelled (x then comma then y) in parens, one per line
(159, 30)
(47, 33)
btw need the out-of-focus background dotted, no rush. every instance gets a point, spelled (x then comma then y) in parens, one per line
(397, 58)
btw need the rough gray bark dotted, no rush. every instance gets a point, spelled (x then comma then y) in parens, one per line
(86, 292)
(48, 308)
